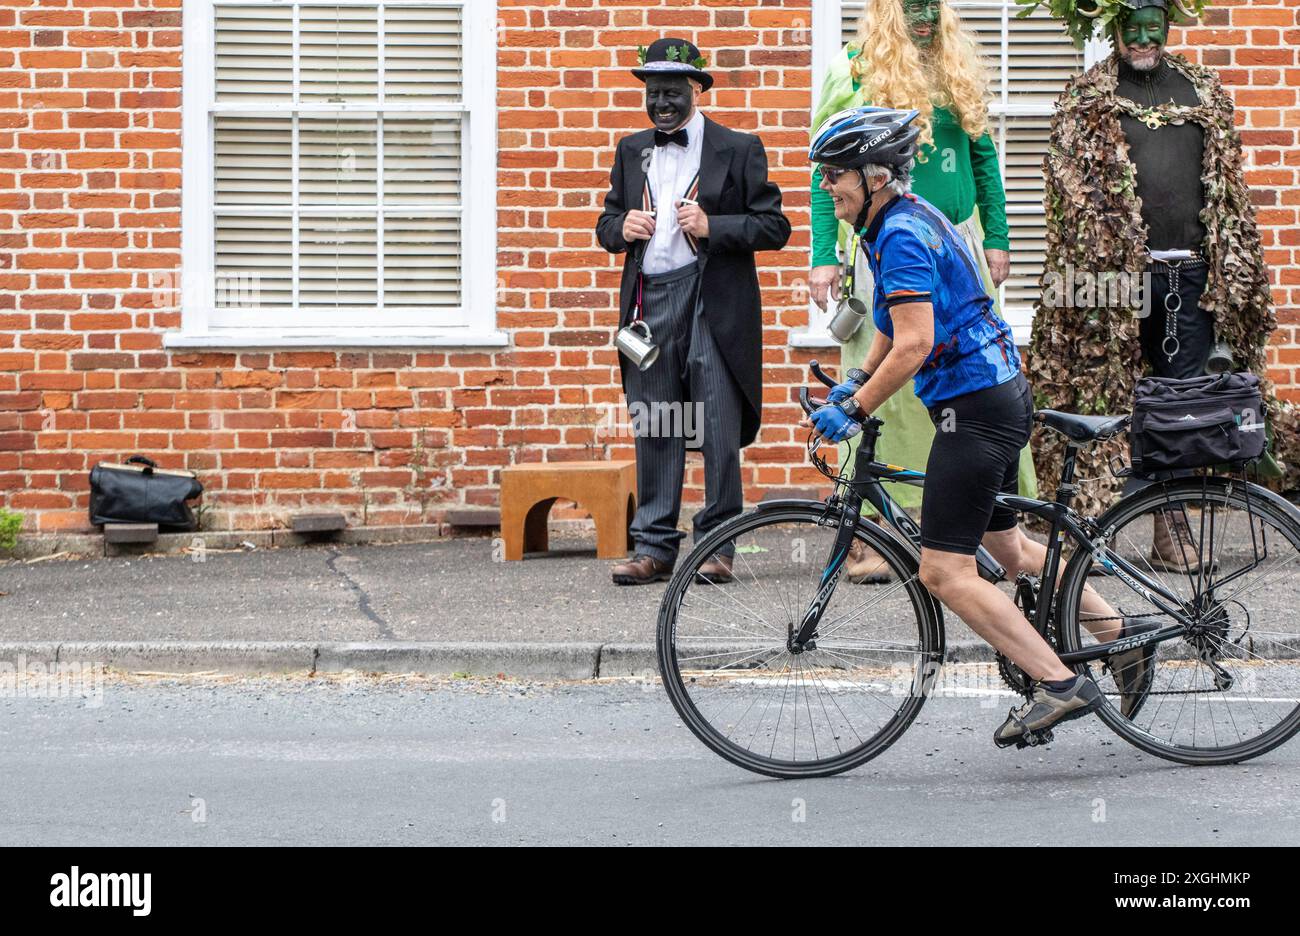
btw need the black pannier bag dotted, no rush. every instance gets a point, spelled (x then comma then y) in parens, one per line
(141, 492)
(1200, 422)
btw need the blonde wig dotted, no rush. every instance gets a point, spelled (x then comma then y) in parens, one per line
(894, 73)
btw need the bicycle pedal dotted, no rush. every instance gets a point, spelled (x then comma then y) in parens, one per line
(1035, 738)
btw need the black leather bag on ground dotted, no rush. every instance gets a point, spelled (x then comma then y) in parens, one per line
(1200, 422)
(141, 492)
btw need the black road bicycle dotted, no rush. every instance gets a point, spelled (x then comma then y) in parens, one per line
(790, 671)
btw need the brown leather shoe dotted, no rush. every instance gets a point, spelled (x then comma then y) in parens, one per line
(642, 571)
(717, 571)
(864, 566)
(1172, 547)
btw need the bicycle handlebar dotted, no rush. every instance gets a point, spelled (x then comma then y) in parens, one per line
(817, 372)
(809, 403)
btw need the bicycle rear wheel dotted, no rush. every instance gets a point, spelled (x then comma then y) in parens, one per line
(1228, 688)
(725, 662)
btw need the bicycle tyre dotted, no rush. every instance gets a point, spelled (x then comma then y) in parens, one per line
(1218, 491)
(902, 564)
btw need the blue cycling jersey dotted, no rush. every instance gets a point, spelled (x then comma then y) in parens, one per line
(916, 255)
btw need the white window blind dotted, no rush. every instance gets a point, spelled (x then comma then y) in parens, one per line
(350, 160)
(1029, 61)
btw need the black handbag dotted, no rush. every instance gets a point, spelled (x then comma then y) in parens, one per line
(141, 492)
(1200, 422)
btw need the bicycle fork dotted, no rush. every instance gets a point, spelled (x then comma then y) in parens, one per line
(805, 637)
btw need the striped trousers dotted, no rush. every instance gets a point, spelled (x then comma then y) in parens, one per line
(686, 399)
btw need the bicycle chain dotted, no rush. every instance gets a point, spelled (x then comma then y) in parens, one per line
(1014, 677)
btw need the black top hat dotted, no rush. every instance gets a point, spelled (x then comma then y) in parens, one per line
(672, 56)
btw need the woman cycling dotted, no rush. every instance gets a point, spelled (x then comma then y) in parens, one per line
(935, 326)
(915, 54)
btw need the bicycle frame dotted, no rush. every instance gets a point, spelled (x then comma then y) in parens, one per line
(867, 485)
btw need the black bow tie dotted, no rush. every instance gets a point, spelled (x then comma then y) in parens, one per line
(680, 138)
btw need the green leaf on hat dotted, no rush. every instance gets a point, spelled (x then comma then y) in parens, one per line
(1085, 18)
(672, 53)
(642, 53)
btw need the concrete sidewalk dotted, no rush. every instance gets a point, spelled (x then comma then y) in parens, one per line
(442, 607)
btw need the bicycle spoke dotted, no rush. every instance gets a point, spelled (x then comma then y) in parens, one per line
(757, 582)
(725, 653)
(1241, 606)
(731, 627)
(835, 624)
(747, 694)
(1235, 594)
(750, 613)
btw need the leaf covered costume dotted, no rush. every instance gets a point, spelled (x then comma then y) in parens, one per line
(1085, 355)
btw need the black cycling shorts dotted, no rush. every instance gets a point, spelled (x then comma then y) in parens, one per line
(975, 456)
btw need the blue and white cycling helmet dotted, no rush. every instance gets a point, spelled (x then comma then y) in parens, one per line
(862, 136)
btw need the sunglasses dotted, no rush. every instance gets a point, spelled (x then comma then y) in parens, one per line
(833, 176)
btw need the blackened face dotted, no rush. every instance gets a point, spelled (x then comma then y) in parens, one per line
(669, 100)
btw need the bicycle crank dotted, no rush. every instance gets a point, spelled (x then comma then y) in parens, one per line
(1027, 601)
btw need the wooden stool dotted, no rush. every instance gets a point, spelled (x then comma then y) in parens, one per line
(606, 489)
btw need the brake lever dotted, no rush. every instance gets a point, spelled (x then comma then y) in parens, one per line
(803, 401)
(810, 404)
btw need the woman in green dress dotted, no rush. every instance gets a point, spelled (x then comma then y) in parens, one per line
(915, 54)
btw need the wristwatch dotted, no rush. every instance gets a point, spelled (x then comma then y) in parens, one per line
(853, 409)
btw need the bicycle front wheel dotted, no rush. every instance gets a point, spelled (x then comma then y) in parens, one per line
(726, 665)
(1228, 688)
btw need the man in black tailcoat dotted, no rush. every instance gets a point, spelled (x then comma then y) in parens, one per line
(689, 204)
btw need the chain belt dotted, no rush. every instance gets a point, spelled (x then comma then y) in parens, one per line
(1174, 299)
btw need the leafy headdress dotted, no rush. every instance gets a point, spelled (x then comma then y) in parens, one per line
(1082, 16)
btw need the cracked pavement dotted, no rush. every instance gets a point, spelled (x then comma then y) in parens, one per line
(450, 590)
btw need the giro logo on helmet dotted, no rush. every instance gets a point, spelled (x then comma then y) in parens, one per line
(874, 140)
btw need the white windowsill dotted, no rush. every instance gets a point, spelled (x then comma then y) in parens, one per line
(341, 339)
(816, 333)
(812, 339)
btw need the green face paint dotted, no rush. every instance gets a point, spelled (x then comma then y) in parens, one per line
(1144, 29)
(922, 20)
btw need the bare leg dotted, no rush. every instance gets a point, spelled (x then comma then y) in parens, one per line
(1018, 553)
(954, 580)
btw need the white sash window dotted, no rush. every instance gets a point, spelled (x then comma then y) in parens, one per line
(339, 169)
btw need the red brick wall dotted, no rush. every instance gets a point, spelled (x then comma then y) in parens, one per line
(89, 221)
(566, 94)
(1255, 45)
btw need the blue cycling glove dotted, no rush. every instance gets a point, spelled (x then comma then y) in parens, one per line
(841, 392)
(834, 424)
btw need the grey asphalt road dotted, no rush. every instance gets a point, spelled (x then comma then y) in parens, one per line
(355, 760)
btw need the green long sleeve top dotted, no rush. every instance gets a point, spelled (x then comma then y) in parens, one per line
(958, 173)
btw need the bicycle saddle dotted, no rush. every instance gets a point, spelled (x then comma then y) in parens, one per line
(1079, 428)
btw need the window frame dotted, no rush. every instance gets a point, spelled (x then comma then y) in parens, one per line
(827, 20)
(475, 325)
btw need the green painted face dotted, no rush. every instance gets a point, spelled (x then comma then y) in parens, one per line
(922, 20)
(1145, 27)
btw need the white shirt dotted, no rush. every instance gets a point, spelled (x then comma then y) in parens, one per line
(672, 170)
